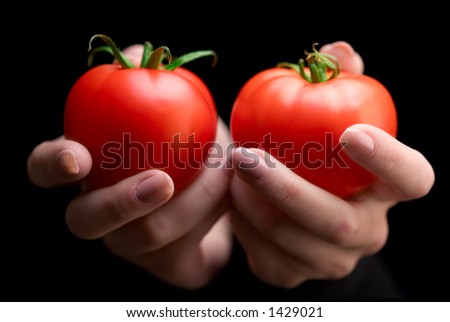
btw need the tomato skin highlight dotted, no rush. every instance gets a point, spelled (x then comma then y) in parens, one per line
(135, 119)
(300, 123)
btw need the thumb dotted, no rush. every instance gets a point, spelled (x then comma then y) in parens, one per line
(349, 59)
(133, 53)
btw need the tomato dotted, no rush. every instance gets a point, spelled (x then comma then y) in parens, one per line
(299, 122)
(133, 119)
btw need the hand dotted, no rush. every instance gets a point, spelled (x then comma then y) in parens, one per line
(183, 239)
(349, 59)
(293, 231)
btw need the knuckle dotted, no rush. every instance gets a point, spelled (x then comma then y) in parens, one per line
(417, 184)
(344, 230)
(271, 223)
(120, 207)
(289, 193)
(422, 184)
(378, 241)
(155, 231)
(392, 164)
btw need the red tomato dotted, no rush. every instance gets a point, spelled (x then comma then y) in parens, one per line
(133, 119)
(300, 123)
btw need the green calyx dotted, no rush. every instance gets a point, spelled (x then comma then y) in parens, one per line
(319, 64)
(159, 58)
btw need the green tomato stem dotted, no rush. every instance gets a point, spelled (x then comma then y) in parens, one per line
(148, 48)
(151, 59)
(190, 57)
(96, 50)
(157, 56)
(297, 68)
(318, 64)
(123, 61)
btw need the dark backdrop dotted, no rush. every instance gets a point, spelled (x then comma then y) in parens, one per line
(41, 260)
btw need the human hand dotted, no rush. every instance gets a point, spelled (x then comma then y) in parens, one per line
(293, 231)
(179, 238)
(348, 58)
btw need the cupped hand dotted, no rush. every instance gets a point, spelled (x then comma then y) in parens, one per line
(183, 239)
(293, 231)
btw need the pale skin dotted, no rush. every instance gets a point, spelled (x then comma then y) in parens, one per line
(291, 230)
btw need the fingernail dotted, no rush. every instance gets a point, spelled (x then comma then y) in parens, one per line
(357, 142)
(154, 189)
(249, 163)
(67, 162)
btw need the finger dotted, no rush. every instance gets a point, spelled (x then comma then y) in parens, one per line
(192, 260)
(349, 59)
(289, 236)
(317, 210)
(185, 211)
(58, 162)
(133, 53)
(94, 214)
(157, 230)
(265, 259)
(406, 170)
(170, 222)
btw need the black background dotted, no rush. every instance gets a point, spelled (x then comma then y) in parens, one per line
(41, 260)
